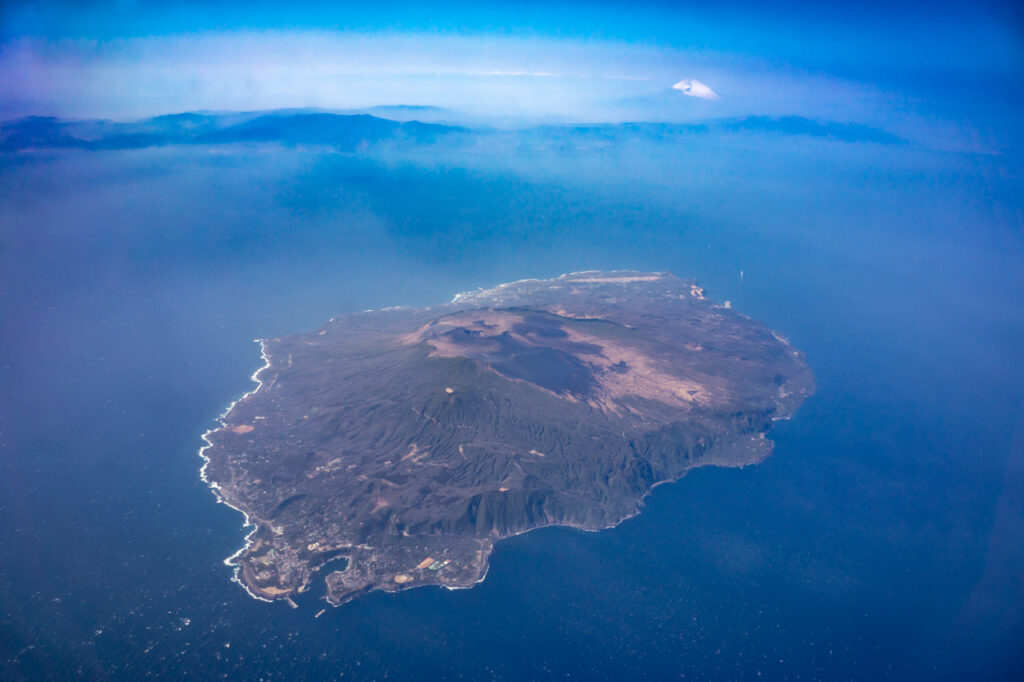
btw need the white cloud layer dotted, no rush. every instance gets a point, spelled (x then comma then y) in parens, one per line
(497, 77)
(694, 88)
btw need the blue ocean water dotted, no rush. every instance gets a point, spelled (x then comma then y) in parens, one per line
(883, 539)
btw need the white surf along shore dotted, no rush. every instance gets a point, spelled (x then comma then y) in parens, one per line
(479, 296)
(215, 487)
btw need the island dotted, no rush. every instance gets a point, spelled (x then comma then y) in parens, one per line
(395, 447)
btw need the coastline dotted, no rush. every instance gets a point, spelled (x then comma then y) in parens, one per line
(215, 487)
(760, 436)
(254, 527)
(732, 441)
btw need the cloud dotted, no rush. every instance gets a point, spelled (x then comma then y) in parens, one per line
(130, 78)
(511, 78)
(694, 88)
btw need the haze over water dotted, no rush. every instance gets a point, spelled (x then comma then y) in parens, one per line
(879, 229)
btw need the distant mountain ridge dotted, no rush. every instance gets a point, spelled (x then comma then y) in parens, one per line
(350, 132)
(345, 132)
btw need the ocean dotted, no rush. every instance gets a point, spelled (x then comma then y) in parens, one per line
(883, 538)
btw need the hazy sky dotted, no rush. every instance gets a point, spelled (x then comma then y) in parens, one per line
(939, 70)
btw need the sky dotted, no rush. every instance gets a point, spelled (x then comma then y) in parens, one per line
(946, 72)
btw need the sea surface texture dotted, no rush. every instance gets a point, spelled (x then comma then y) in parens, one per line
(881, 539)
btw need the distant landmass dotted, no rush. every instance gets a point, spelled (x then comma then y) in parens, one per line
(347, 132)
(355, 132)
(403, 443)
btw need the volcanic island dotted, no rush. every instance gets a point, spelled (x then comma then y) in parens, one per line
(403, 443)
